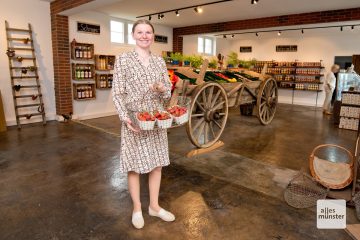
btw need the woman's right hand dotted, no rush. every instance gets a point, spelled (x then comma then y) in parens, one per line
(131, 126)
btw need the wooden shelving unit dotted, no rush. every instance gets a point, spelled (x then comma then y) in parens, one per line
(104, 62)
(82, 51)
(104, 81)
(84, 91)
(82, 71)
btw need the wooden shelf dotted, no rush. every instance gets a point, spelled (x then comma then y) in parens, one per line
(104, 62)
(309, 90)
(82, 51)
(82, 72)
(104, 81)
(84, 91)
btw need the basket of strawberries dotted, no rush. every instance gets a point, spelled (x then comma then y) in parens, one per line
(163, 119)
(146, 120)
(179, 113)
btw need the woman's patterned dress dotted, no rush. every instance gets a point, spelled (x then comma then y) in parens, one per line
(140, 152)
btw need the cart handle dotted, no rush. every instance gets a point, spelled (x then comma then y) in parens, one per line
(336, 146)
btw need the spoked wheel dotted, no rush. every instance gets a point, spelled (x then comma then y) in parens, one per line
(267, 101)
(209, 112)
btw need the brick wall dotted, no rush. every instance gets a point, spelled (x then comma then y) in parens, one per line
(342, 15)
(61, 54)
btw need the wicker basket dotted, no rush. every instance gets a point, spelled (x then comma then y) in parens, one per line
(356, 200)
(333, 175)
(303, 191)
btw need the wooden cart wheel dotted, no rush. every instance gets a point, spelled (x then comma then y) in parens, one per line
(208, 115)
(267, 100)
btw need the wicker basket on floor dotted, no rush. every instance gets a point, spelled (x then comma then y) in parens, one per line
(333, 175)
(303, 191)
(356, 200)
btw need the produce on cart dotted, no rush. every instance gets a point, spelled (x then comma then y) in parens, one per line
(213, 92)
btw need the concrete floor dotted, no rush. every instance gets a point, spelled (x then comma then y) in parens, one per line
(61, 182)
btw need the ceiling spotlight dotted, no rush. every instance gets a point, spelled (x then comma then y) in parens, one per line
(198, 9)
(177, 13)
(232, 36)
(352, 27)
(302, 31)
(149, 17)
(254, 1)
(159, 16)
(341, 28)
(257, 34)
(279, 33)
(224, 36)
(162, 15)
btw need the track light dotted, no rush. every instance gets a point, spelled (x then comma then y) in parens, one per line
(159, 16)
(279, 33)
(341, 28)
(257, 34)
(198, 9)
(177, 13)
(232, 36)
(224, 36)
(302, 31)
(254, 1)
(149, 17)
(352, 27)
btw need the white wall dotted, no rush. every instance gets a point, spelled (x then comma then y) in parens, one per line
(19, 13)
(313, 45)
(103, 104)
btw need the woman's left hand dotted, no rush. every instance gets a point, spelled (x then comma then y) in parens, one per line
(158, 87)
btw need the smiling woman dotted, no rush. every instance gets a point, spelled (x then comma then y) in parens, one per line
(141, 83)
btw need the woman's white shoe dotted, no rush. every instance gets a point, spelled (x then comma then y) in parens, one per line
(137, 220)
(163, 214)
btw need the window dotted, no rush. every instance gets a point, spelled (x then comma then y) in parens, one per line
(120, 32)
(117, 31)
(130, 38)
(206, 45)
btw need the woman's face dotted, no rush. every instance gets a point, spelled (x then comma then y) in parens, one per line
(143, 35)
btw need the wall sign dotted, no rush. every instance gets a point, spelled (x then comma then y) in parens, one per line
(286, 48)
(161, 39)
(246, 49)
(88, 28)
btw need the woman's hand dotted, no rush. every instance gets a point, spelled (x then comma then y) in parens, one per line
(158, 87)
(131, 126)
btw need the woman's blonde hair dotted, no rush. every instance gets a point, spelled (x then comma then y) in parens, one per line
(335, 67)
(142, 21)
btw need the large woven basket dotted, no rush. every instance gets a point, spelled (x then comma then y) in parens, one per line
(303, 191)
(333, 175)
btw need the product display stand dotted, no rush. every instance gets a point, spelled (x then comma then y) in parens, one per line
(350, 110)
(20, 75)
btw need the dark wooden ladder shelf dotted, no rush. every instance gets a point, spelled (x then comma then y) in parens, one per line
(15, 76)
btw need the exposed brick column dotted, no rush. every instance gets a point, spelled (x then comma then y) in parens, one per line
(61, 53)
(342, 15)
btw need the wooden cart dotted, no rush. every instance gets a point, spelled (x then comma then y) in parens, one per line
(210, 102)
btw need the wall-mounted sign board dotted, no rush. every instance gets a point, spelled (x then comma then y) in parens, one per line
(246, 49)
(88, 28)
(161, 39)
(286, 48)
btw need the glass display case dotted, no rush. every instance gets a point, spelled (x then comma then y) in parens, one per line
(345, 81)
